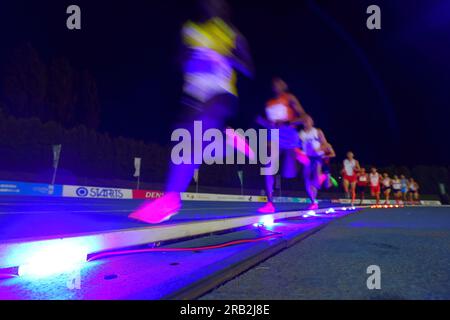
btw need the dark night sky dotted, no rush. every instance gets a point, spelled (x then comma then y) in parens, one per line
(384, 94)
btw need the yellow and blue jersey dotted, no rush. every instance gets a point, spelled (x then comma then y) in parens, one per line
(209, 70)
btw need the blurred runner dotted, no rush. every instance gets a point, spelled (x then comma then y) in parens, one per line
(349, 175)
(404, 183)
(213, 51)
(316, 147)
(375, 179)
(413, 191)
(284, 112)
(397, 189)
(327, 178)
(386, 187)
(362, 184)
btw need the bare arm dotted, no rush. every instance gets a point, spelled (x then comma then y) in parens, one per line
(329, 151)
(322, 138)
(262, 121)
(297, 106)
(332, 153)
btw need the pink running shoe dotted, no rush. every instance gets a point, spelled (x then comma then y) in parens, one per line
(267, 208)
(313, 206)
(302, 157)
(159, 210)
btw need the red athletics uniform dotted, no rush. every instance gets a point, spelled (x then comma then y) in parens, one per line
(363, 180)
(279, 109)
(375, 183)
(362, 183)
(349, 172)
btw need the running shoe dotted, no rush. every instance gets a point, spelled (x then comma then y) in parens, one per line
(334, 182)
(302, 157)
(267, 208)
(159, 210)
(313, 206)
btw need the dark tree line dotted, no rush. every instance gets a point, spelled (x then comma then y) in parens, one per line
(42, 104)
(26, 144)
(53, 91)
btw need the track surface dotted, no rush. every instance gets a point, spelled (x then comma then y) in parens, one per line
(31, 217)
(153, 275)
(410, 245)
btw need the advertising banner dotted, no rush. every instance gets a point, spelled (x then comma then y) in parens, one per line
(96, 192)
(147, 194)
(291, 200)
(29, 189)
(221, 197)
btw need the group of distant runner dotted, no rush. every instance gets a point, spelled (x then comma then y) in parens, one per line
(356, 182)
(310, 147)
(213, 52)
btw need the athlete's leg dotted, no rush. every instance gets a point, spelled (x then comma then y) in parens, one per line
(346, 185)
(312, 173)
(270, 182)
(327, 183)
(353, 192)
(268, 207)
(287, 158)
(213, 115)
(317, 174)
(416, 197)
(309, 185)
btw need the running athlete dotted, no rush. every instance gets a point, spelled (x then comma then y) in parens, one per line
(404, 190)
(375, 179)
(413, 191)
(397, 189)
(362, 184)
(386, 187)
(327, 179)
(349, 174)
(316, 147)
(284, 112)
(213, 51)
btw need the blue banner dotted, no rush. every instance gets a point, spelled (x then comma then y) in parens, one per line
(29, 189)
